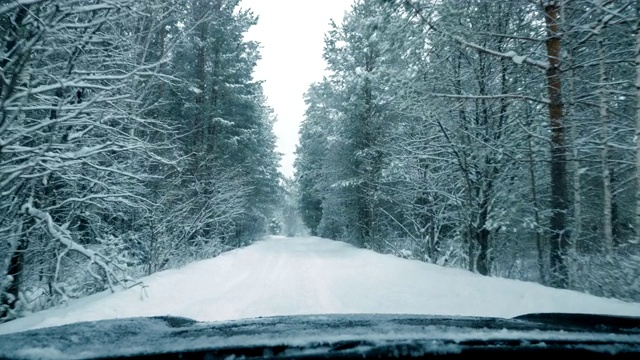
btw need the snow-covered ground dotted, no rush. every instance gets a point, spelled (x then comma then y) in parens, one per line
(290, 276)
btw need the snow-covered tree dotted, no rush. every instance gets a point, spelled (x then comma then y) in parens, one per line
(132, 138)
(497, 131)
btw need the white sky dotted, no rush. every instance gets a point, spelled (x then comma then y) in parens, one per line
(292, 36)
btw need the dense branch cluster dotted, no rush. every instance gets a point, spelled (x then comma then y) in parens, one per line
(499, 136)
(132, 139)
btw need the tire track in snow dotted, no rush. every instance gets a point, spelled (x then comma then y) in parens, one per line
(322, 288)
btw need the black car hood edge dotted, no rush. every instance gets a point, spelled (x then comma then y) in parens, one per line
(324, 336)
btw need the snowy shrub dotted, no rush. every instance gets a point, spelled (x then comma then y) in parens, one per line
(615, 276)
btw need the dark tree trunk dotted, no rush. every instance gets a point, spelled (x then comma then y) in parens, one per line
(161, 51)
(16, 265)
(199, 100)
(202, 33)
(483, 264)
(617, 224)
(534, 198)
(12, 39)
(559, 241)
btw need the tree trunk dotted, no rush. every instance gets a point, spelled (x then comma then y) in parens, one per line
(369, 163)
(215, 95)
(559, 243)
(161, 52)
(9, 295)
(199, 100)
(575, 156)
(637, 135)
(12, 41)
(202, 35)
(483, 263)
(617, 225)
(604, 134)
(462, 114)
(534, 197)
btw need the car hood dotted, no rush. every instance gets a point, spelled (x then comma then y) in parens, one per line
(326, 336)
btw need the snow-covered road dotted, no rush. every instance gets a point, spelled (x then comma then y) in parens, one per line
(286, 276)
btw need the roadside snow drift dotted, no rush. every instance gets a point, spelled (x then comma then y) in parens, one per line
(294, 276)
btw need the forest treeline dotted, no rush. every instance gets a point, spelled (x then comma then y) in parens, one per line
(498, 136)
(133, 139)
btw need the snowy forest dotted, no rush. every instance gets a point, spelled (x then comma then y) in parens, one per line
(133, 139)
(502, 137)
(498, 136)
